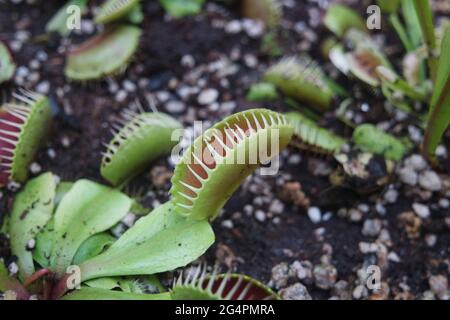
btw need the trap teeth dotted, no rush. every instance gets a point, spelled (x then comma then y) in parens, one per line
(105, 54)
(24, 125)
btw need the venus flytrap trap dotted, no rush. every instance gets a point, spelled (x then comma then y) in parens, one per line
(60, 21)
(301, 79)
(181, 8)
(204, 286)
(267, 11)
(369, 138)
(7, 65)
(309, 136)
(107, 53)
(143, 138)
(219, 160)
(113, 10)
(24, 125)
(339, 19)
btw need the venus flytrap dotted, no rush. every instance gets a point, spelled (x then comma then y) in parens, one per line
(60, 21)
(301, 79)
(144, 137)
(107, 53)
(309, 136)
(24, 125)
(204, 286)
(219, 160)
(267, 11)
(339, 19)
(112, 10)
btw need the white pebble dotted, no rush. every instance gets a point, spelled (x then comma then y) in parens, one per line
(207, 96)
(429, 180)
(260, 215)
(234, 26)
(175, 106)
(421, 210)
(314, 214)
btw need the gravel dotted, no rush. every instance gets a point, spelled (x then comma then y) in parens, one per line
(372, 227)
(280, 275)
(297, 291)
(439, 286)
(325, 276)
(421, 210)
(207, 96)
(408, 176)
(429, 180)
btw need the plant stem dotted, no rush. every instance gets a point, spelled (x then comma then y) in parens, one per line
(428, 146)
(35, 276)
(398, 27)
(425, 17)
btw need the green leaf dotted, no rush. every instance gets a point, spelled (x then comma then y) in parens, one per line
(181, 8)
(262, 91)
(340, 18)
(88, 208)
(7, 65)
(59, 22)
(439, 117)
(158, 242)
(371, 139)
(44, 245)
(142, 284)
(102, 294)
(412, 23)
(32, 209)
(425, 17)
(93, 246)
(389, 6)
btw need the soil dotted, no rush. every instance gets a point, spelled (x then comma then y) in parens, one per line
(84, 112)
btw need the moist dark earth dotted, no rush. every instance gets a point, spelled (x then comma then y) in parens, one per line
(261, 232)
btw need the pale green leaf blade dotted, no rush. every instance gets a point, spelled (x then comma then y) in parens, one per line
(88, 208)
(159, 242)
(59, 22)
(439, 117)
(93, 246)
(32, 209)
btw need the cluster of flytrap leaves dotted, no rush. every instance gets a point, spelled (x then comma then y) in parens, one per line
(353, 51)
(57, 228)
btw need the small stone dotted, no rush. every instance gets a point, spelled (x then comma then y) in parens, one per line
(297, 291)
(355, 215)
(35, 168)
(250, 60)
(408, 176)
(65, 141)
(294, 159)
(129, 219)
(253, 28)
(439, 286)
(51, 153)
(421, 210)
(429, 180)
(391, 196)
(444, 203)
(276, 207)
(187, 61)
(302, 270)
(207, 96)
(227, 224)
(121, 95)
(366, 247)
(13, 268)
(31, 244)
(325, 276)
(129, 86)
(359, 292)
(342, 290)
(280, 275)
(380, 208)
(372, 227)
(260, 215)
(416, 161)
(430, 240)
(175, 106)
(314, 214)
(392, 256)
(233, 27)
(43, 87)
